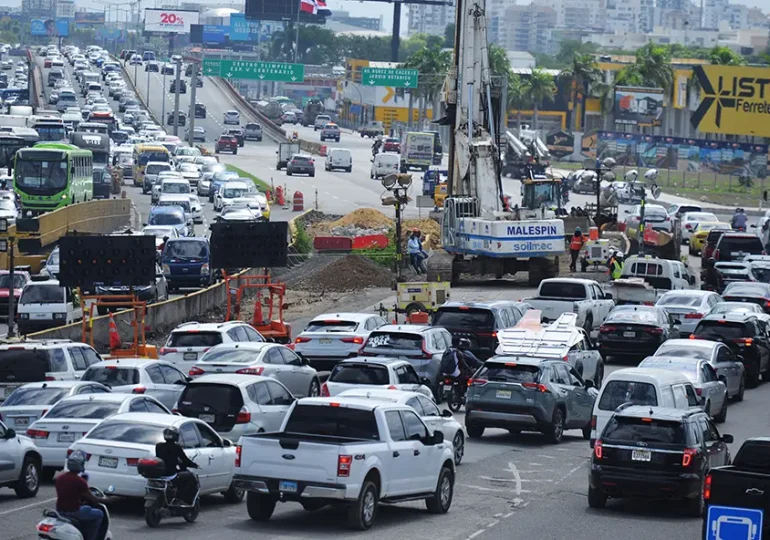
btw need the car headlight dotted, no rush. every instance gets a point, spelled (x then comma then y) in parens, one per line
(166, 269)
(59, 316)
(24, 316)
(204, 268)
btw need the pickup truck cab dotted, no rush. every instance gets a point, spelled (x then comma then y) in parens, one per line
(349, 452)
(645, 279)
(583, 297)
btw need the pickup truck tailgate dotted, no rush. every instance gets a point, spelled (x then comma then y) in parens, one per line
(552, 308)
(289, 458)
(731, 486)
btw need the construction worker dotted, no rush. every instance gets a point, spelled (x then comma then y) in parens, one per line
(616, 265)
(575, 245)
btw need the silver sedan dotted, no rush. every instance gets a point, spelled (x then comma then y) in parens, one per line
(735, 307)
(688, 306)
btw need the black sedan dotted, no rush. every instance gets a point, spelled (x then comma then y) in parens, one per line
(180, 122)
(635, 331)
(182, 87)
(749, 291)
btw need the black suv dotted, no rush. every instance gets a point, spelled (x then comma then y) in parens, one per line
(182, 118)
(238, 134)
(479, 322)
(657, 453)
(747, 336)
(733, 246)
(182, 87)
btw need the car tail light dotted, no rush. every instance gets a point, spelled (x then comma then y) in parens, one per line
(301, 339)
(699, 391)
(251, 371)
(694, 316)
(707, 487)
(689, 453)
(343, 465)
(607, 328)
(46, 527)
(716, 254)
(688, 226)
(744, 341)
(593, 421)
(655, 331)
(446, 381)
(358, 339)
(238, 450)
(477, 382)
(139, 390)
(132, 461)
(535, 386)
(325, 391)
(425, 354)
(37, 434)
(244, 416)
(49, 378)
(195, 371)
(598, 450)
(166, 350)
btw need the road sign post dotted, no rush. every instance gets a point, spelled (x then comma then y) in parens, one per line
(252, 70)
(395, 77)
(729, 523)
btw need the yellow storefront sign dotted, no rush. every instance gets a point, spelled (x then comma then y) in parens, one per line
(388, 115)
(735, 100)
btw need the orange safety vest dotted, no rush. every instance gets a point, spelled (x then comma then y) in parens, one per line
(576, 244)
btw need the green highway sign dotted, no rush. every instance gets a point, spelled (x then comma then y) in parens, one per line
(397, 77)
(259, 71)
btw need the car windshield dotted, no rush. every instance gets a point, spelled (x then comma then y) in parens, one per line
(158, 232)
(681, 351)
(112, 375)
(42, 294)
(220, 398)
(176, 188)
(194, 338)
(562, 289)
(83, 409)
(721, 330)
(735, 244)
(166, 218)
(689, 368)
(156, 168)
(128, 432)
(18, 281)
(508, 372)
(235, 356)
(464, 317)
(333, 421)
(187, 249)
(647, 430)
(616, 393)
(35, 396)
(688, 300)
(360, 374)
(234, 193)
(735, 307)
(748, 289)
(631, 316)
(40, 174)
(146, 157)
(331, 326)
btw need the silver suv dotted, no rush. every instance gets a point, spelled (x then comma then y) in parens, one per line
(320, 121)
(253, 132)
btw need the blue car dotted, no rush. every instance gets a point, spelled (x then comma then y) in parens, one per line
(218, 180)
(186, 262)
(168, 215)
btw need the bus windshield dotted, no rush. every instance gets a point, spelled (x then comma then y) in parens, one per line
(41, 175)
(152, 155)
(51, 132)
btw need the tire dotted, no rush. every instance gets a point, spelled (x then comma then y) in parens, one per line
(555, 430)
(441, 500)
(588, 324)
(260, 507)
(474, 432)
(235, 151)
(741, 390)
(455, 401)
(29, 479)
(587, 432)
(192, 514)
(361, 514)
(752, 379)
(596, 499)
(722, 416)
(233, 495)
(315, 388)
(459, 445)
(695, 507)
(312, 175)
(288, 172)
(152, 516)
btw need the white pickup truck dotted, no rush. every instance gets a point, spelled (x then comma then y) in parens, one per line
(349, 452)
(645, 279)
(584, 297)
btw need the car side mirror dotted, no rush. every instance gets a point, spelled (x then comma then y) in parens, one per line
(676, 322)
(425, 381)
(446, 413)
(727, 438)
(589, 384)
(181, 383)
(740, 359)
(608, 296)
(10, 433)
(438, 437)
(226, 443)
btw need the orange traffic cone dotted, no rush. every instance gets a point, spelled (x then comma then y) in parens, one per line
(114, 336)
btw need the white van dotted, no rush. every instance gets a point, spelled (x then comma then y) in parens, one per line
(641, 386)
(385, 164)
(339, 158)
(46, 304)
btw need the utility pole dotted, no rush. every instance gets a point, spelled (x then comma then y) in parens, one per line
(11, 296)
(177, 84)
(148, 86)
(163, 101)
(191, 116)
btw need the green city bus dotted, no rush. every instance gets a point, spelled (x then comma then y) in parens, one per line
(52, 175)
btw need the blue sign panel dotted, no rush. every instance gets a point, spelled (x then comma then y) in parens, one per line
(214, 33)
(728, 523)
(49, 27)
(242, 29)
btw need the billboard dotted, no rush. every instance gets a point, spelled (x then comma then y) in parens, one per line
(287, 10)
(89, 18)
(49, 27)
(679, 153)
(169, 21)
(735, 100)
(560, 144)
(65, 9)
(638, 106)
(243, 29)
(208, 33)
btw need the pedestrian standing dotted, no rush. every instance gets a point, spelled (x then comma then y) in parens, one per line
(575, 245)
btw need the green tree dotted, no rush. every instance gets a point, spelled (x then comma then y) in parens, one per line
(517, 96)
(499, 64)
(653, 64)
(539, 87)
(432, 63)
(449, 36)
(376, 49)
(725, 56)
(583, 72)
(417, 42)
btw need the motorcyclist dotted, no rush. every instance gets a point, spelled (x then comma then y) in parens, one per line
(466, 362)
(177, 463)
(471, 361)
(75, 500)
(711, 277)
(738, 222)
(377, 145)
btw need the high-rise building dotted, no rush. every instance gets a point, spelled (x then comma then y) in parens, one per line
(429, 19)
(38, 9)
(737, 15)
(527, 28)
(578, 13)
(634, 16)
(496, 18)
(713, 11)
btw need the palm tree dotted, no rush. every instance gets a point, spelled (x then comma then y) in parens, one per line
(517, 97)
(584, 72)
(539, 87)
(654, 65)
(725, 56)
(433, 64)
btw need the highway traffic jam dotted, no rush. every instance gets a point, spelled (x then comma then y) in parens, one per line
(627, 383)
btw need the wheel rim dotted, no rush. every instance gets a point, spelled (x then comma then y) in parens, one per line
(368, 511)
(459, 444)
(446, 490)
(558, 427)
(31, 477)
(314, 389)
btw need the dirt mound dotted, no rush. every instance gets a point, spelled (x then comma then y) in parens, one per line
(348, 273)
(364, 218)
(428, 227)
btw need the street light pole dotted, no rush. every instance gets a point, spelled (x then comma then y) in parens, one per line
(163, 101)
(177, 84)
(191, 115)
(11, 296)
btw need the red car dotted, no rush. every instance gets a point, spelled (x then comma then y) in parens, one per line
(20, 278)
(391, 144)
(48, 63)
(226, 143)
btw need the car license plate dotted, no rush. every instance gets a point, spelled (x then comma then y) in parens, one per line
(40, 316)
(66, 437)
(109, 462)
(289, 487)
(208, 418)
(190, 356)
(325, 341)
(641, 455)
(504, 394)
(629, 334)
(24, 421)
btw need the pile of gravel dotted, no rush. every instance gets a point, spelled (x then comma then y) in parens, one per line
(348, 273)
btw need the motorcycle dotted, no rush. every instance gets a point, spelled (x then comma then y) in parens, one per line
(454, 393)
(57, 527)
(160, 498)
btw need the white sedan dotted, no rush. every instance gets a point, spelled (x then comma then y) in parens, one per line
(689, 306)
(436, 420)
(232, 117)
(73, 417)
(196, 208)
(690, 223)
(117, 444)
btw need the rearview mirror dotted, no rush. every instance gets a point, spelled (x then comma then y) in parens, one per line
(608, 296)
(446, 413)
(226, 443)
(727, 438)
(10, 433)
(589, 384)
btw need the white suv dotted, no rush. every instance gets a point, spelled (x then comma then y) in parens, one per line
(189, 341)
(232, 117)
(42, 360)
(22, 471)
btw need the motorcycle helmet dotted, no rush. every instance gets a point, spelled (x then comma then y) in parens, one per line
(171, 434)
(76, 462)
(464, 343)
